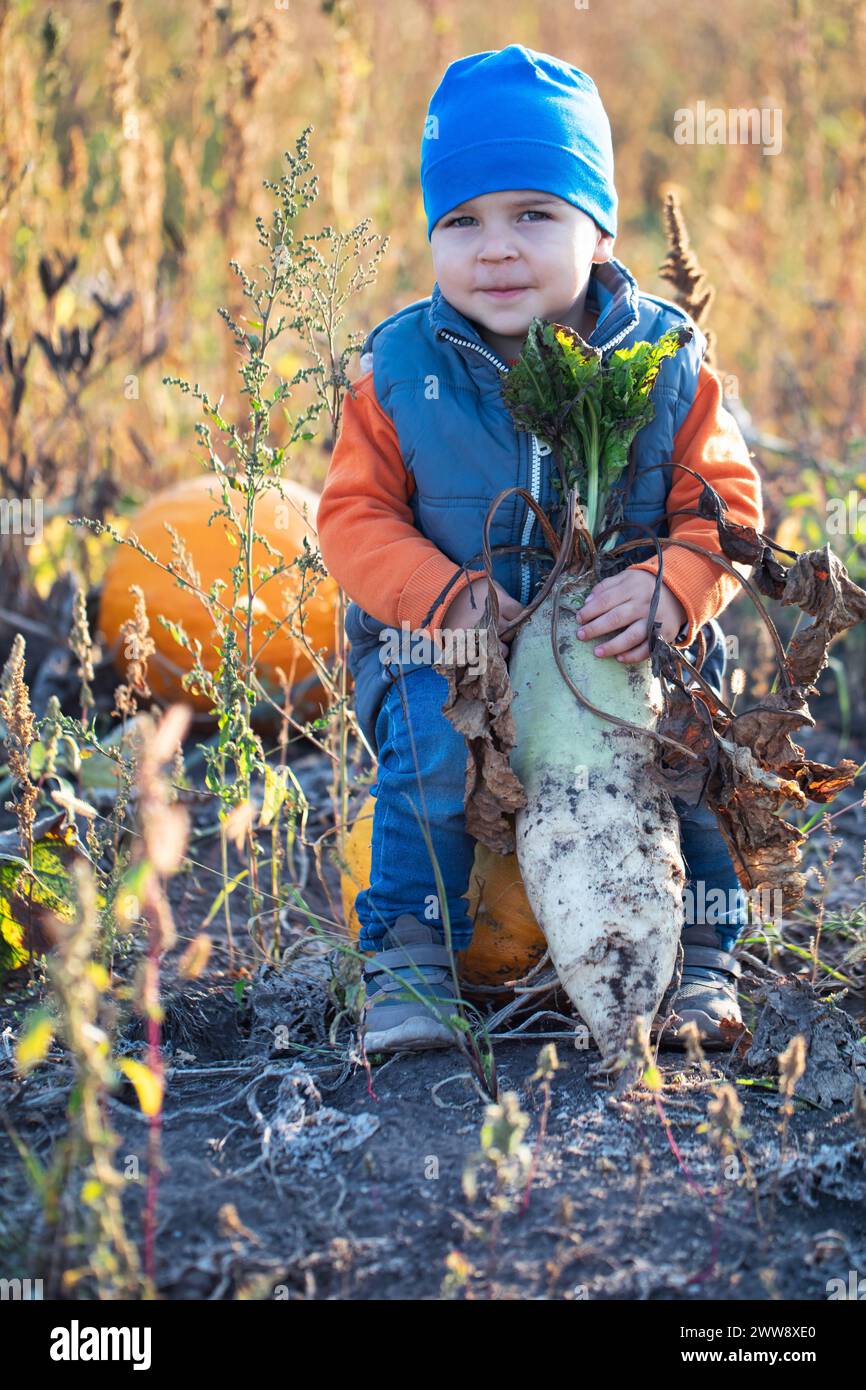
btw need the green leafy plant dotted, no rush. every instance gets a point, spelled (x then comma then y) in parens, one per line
(587, 407)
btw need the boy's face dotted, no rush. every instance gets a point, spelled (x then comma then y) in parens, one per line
(533, 243)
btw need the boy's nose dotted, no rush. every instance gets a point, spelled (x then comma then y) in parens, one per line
(497, 244)
(493, 258)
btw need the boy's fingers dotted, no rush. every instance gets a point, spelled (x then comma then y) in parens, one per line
(620, 616)
(602, 594)
(593, 608)
(640, 653)
(633, 636)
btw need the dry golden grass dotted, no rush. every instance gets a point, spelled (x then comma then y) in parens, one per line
(137, 138)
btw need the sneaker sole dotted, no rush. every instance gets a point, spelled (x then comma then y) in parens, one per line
(413, 1035)
(708, 1028)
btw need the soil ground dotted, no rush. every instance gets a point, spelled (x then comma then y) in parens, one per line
(292, 1169)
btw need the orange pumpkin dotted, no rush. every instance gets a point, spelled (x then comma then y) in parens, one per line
(213, 548)
(507, 940)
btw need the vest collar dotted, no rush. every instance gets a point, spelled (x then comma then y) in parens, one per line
(612, 289)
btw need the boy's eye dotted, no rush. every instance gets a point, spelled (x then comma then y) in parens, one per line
(467, 217)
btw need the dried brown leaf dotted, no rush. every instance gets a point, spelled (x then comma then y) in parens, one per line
(688, 722)
(765, 849)
(743, 545)
(819, 781)
(735, 1035)
(758, 770)
(765, 727)
(819, 583)
(479, 707)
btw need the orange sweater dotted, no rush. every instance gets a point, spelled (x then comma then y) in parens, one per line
(371, 546)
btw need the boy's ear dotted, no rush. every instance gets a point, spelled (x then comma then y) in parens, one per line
(603, 247)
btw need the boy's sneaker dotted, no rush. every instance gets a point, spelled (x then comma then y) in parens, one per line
(707, 991)
(396, 1020)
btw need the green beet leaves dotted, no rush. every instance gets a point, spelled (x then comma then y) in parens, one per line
(588, 408)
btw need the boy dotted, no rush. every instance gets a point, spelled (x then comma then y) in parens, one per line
(517, 178)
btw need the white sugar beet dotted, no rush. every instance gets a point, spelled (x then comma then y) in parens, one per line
(598, 842)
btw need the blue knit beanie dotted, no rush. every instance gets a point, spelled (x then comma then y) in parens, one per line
(514, 118)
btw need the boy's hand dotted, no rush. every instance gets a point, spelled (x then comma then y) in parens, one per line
(461, 614)
(623, 601)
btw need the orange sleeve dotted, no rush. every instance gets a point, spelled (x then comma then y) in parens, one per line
(366, 530)
(710, 441)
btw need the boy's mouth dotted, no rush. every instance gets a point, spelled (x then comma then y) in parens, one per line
(510, 293)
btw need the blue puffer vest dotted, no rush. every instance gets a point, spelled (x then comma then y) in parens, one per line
(438, 380)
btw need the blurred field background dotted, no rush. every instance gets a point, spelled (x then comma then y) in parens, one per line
(136, 138)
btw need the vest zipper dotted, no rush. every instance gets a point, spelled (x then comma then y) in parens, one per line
(467, 342)
(612, 342)
(535, 476)
(502, 366)
(537, 449)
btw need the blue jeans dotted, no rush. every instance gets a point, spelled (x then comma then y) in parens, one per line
(427, 749)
